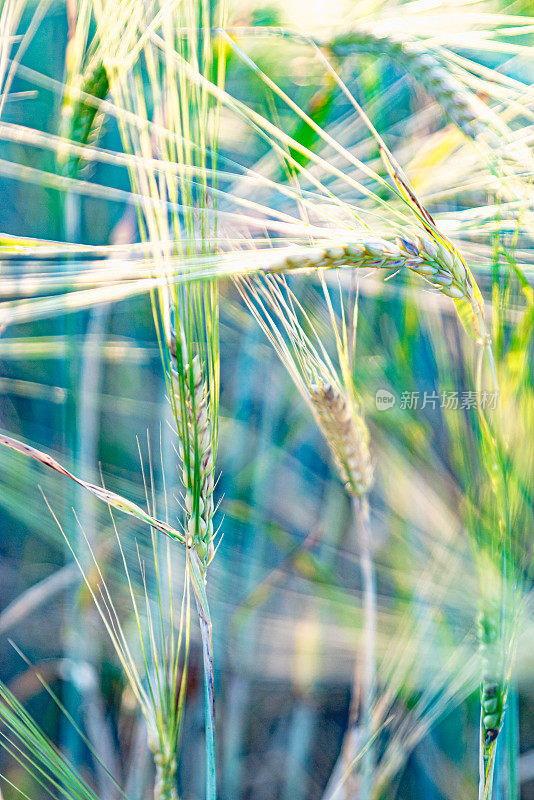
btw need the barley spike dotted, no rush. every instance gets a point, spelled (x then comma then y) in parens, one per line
(347, 437)
(458, 102)
(195, 435)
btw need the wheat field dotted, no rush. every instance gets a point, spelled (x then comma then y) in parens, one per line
(267, 415)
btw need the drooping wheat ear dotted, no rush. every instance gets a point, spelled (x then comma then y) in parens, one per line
(438, 264)
(459, 103)
(492, 689)
(347, 436)
(196, 453)
(81, 118)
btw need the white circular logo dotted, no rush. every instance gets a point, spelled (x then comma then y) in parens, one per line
(384, 400)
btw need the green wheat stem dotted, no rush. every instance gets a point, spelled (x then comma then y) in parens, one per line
(198, 582)
(360, 507)
(209, 696)
(492, 621)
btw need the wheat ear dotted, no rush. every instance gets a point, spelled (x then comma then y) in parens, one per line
(196, 454)
(347, 437)
(459, 103)
(438, 264)
(80, 119)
